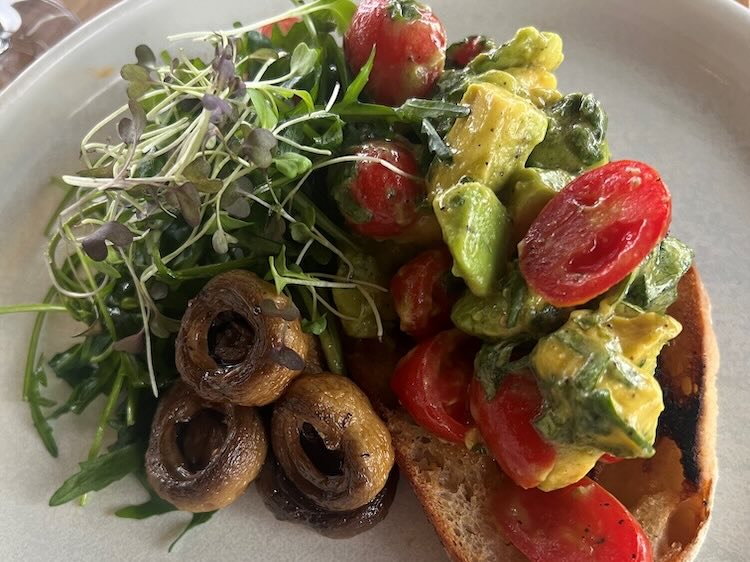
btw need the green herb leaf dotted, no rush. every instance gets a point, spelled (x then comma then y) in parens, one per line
(315, 327)
(197, 173)
(358, 84)
(292, 164)
(154, 506)
(303, 60)
(198, 519)
(266, 111)
(99, 473)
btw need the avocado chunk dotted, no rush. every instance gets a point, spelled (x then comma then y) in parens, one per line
(575, 139)
(654, 287)
(492, 142)
(596, 376)
(475, 228)
(513, 311)
(360, 321)
(527, 193)
(529, 47)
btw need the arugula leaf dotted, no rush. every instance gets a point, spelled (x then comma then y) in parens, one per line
(493, 362)
(355, 88)
(198, 519)
(435, 143)
(99, 473)
(36, 402)
(154, 506)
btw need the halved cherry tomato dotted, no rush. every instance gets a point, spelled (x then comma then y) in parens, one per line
(580, 522)
(595, 231)
(505, 425)
(283, 25)
(423, 293)
(409, 46)
(432, 383)
(374, 200)
(462, 53)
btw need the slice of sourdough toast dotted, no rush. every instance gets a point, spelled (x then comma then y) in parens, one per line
(670, 494)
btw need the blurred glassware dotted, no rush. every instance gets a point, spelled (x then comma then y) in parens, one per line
(27, 29)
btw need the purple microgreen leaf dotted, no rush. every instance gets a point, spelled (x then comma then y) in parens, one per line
(259, 147)
(137, 89)
(237, 88)
(139, 117)
(135, 73)
(145, 56)
(197, 173)
(189, 203)
(239, 208)
(220, 109)
(133, 343)
(95, 243)
(158, 290)
(287, 357)
(126, 131)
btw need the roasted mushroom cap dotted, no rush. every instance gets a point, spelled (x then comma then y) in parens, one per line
(330, 442)
(287, 503)
(240, 342)
(202, 455)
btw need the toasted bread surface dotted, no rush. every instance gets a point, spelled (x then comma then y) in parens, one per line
(670, 494)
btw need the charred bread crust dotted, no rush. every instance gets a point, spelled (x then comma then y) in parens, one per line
(670, 494)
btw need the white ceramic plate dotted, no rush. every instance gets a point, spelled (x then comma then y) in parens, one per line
(675, 80)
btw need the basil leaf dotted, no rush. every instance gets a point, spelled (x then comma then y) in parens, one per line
(99, 473)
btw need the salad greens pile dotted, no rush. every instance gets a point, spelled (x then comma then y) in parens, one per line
(218, 163)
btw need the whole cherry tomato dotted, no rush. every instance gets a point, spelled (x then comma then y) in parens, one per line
(505, 423)
(409, 46)
(432, 383)
(462, 53)
(595, 231)
(580, 522)
(423, 293)
(375, 201)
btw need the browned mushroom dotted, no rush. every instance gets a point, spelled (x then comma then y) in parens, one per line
(202, 455)
(330, 442)
(287, 503)
(240, 342)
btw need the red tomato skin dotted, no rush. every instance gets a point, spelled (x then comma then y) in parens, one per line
(463, 53)
(594, 232)
(505, 423)
(283, 25)
(390, 201)
(409, 56)
(432, 382)
(580, 522)
(422, 293)
(606, 458)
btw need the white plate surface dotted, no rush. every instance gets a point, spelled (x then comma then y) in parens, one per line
(675, 79)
